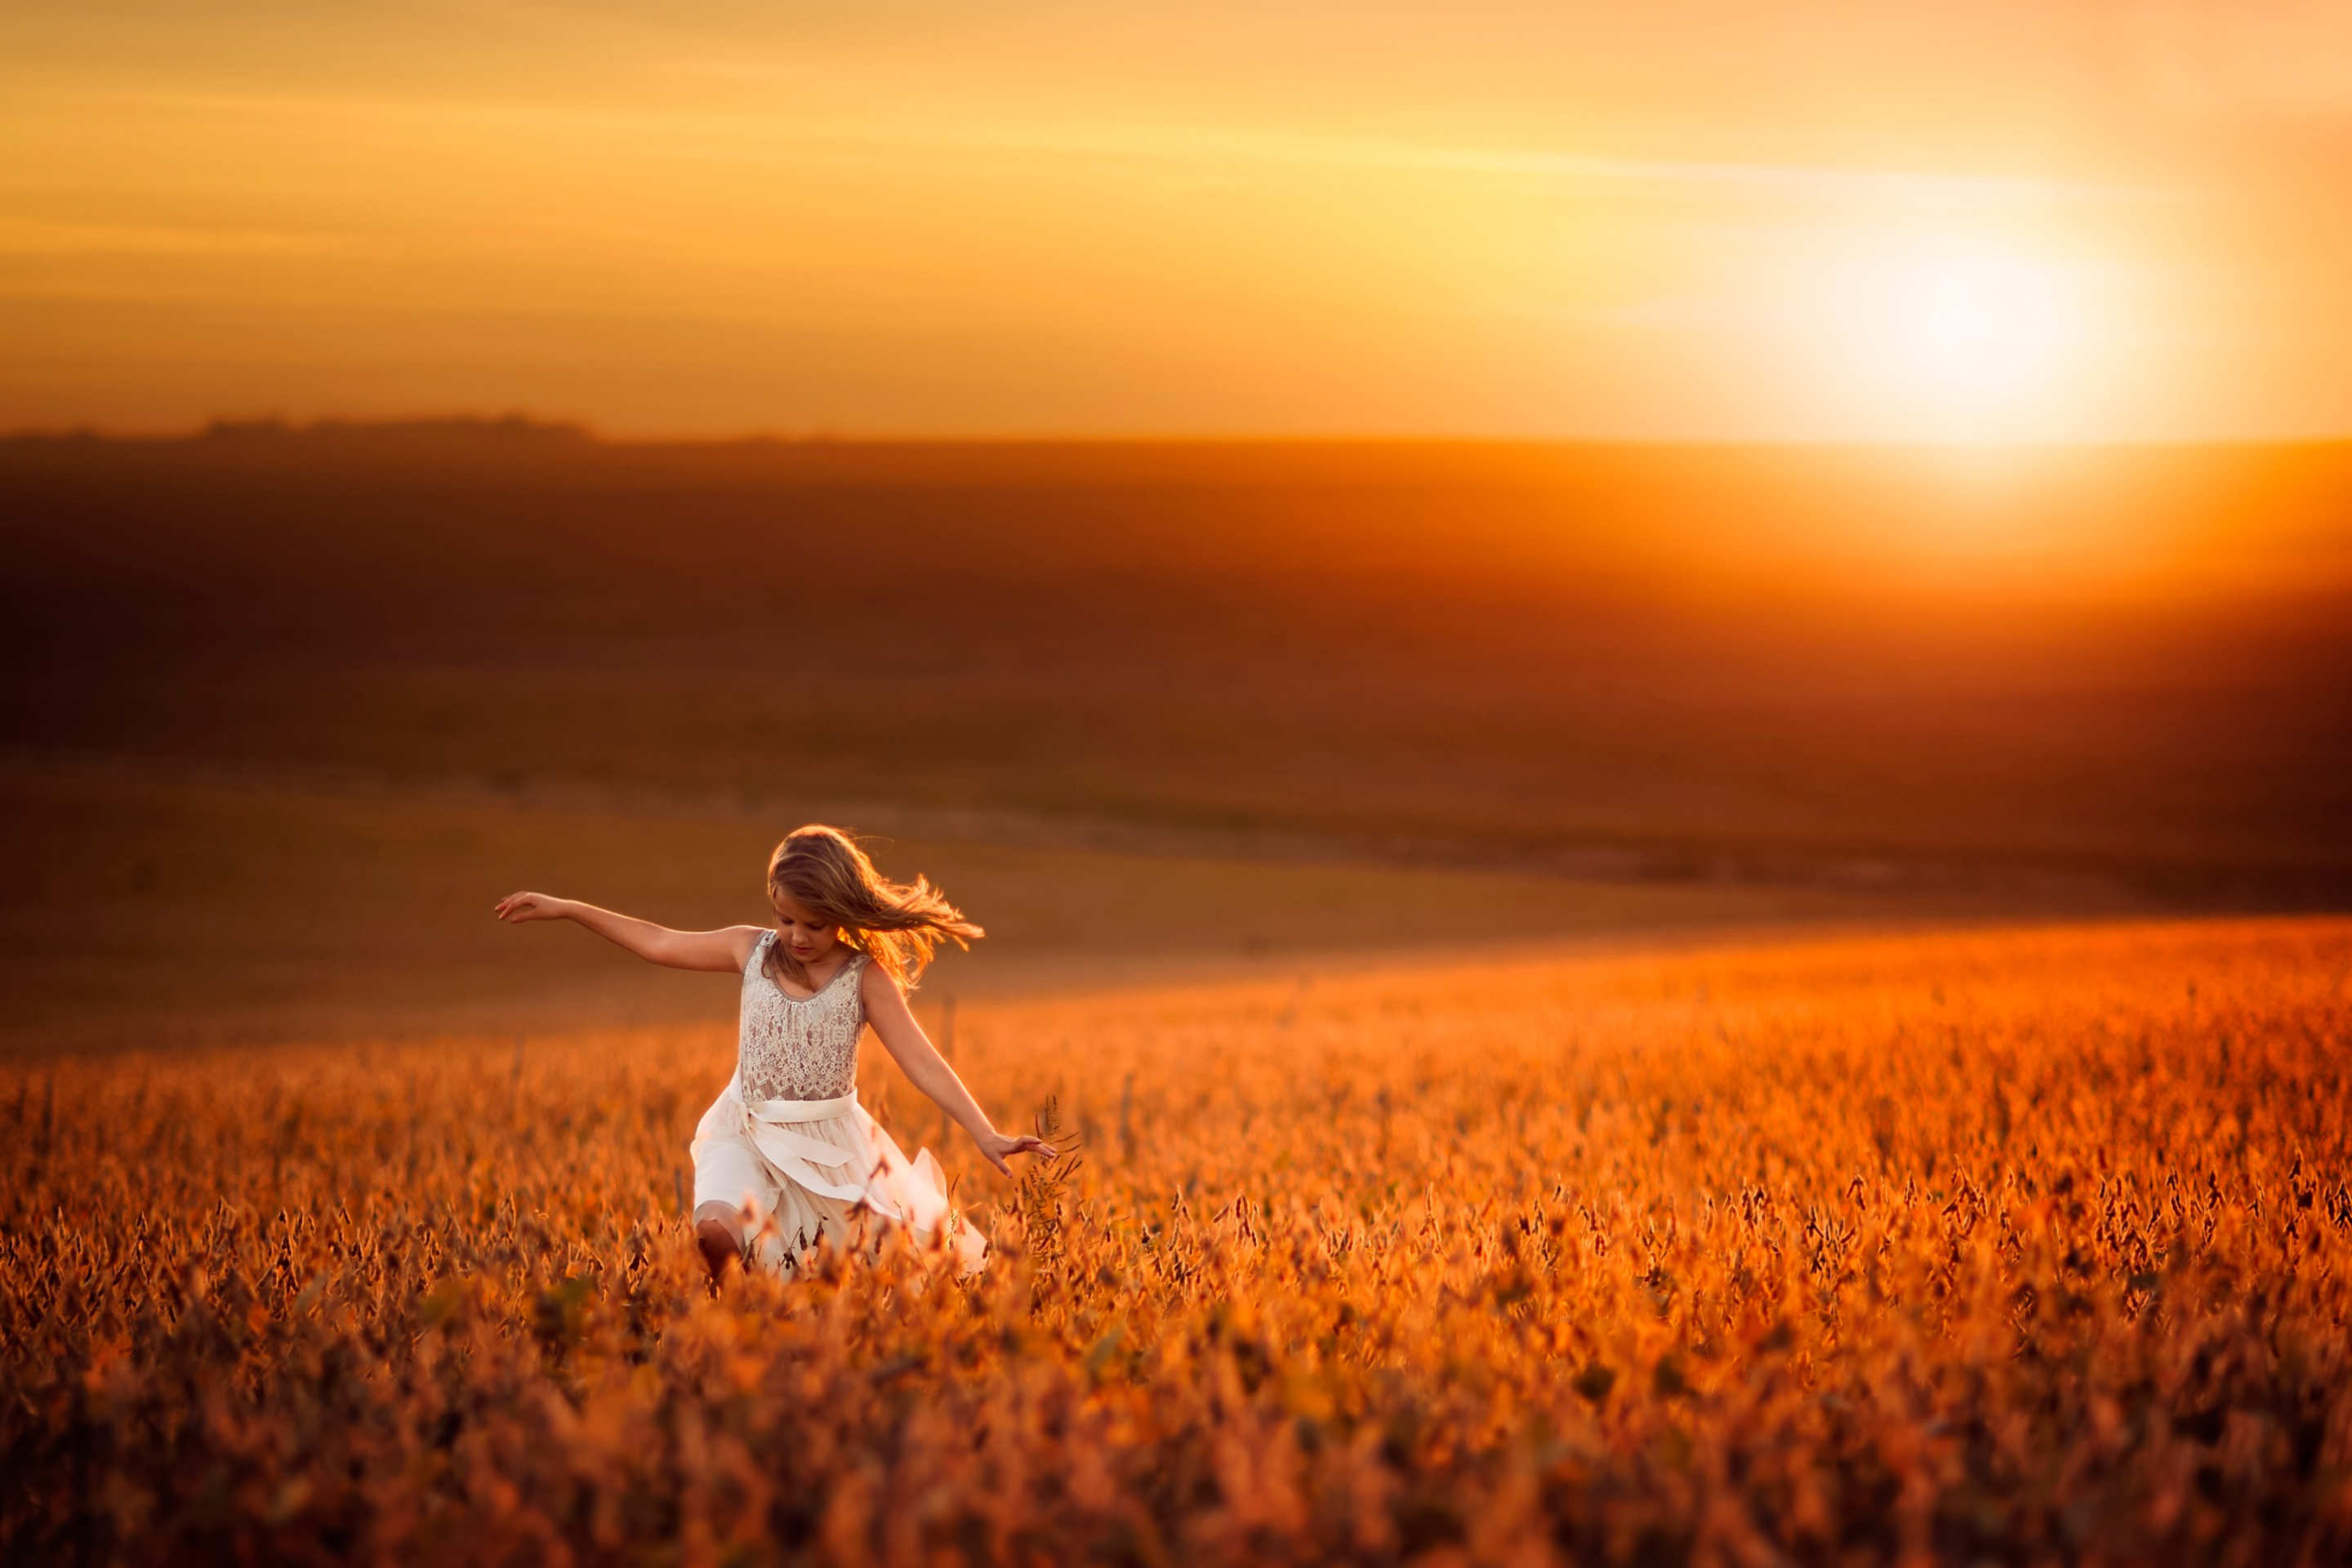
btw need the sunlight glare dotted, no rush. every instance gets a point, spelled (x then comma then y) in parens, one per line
(1979, 324)
(1953, 337)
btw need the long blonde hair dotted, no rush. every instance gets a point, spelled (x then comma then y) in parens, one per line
(895, 924)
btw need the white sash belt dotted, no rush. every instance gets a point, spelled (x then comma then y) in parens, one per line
(786, 1111)
(770, 1126)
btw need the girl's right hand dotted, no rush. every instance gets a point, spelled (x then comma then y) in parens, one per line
(997, 1145)
(517, 908)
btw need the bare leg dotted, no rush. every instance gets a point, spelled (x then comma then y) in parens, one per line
(719, 1234)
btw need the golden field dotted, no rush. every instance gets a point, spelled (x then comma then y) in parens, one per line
(2018, 1245)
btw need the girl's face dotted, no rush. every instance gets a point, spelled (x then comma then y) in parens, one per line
(806, 937)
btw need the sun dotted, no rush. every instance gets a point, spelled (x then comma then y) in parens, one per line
(1978, 325)
(1949, 336)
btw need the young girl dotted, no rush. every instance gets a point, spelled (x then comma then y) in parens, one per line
(786, 1154)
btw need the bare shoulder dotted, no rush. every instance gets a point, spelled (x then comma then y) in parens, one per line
(743, 941)
(878, 991)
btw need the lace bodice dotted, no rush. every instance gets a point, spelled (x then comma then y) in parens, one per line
(798, 1048)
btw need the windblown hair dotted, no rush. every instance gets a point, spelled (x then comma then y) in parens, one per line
(895, 924)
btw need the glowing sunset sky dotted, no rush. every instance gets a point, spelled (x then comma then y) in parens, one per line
(2046, 218)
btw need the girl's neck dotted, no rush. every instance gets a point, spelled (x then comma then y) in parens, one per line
(815, 974)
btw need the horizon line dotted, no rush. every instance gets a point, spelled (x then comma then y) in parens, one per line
(519, 425)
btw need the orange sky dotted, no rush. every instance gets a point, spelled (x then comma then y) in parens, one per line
(1807, 218)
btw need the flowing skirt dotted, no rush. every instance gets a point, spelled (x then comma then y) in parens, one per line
(800, 1169)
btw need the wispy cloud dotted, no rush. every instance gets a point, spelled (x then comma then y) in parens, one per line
(784, 135)
(1820, 179)
(33, 237)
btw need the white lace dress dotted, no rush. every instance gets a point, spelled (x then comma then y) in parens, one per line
(788, 1145)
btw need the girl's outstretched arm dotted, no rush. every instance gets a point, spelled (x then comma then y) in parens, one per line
(727, 949)
(895, 1027)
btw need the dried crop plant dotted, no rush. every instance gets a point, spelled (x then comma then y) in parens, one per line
(2006, 1247)
(1043, 1187)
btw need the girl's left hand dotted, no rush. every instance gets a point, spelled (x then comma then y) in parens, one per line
(996, 1146)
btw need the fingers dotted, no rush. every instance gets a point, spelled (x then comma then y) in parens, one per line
(1022, 1145)
(996, 1149)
